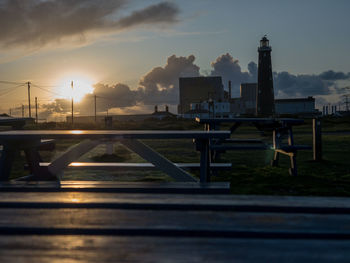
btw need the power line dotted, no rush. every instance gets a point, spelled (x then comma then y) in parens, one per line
(11, 82)
(12, 89)
(49, 91)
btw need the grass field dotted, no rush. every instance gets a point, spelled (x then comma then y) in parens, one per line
(251, 171)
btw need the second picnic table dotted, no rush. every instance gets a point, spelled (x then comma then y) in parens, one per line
(280, 127)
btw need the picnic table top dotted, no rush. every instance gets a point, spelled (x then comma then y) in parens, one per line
(119, 227)
(111, 134)
(256, 120)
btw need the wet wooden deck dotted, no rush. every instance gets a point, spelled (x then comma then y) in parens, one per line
(80, 223)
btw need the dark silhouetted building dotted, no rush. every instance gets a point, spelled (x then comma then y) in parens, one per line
(265, 106)
(199, 89)
(248, 98)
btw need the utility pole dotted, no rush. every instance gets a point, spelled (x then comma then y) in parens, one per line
(346, 102)
(36, 110)
(22, 111)
(72, 103)
(30, 112)
(95, 109)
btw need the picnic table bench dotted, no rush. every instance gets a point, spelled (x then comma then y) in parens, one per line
(29, 141)
(281, 128)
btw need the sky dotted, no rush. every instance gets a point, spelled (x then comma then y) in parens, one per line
(130, 53)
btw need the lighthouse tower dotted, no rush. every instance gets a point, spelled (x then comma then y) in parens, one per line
(265, 99)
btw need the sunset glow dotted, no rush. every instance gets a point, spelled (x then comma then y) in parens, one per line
(82, 85)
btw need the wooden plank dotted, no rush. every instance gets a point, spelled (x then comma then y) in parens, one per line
(238, 147)
(242, 141)
(158, 160)
(168, 249)
(285, 204)
(111, 134)
(290, 121)
(116, 187)
(139, 166)
(215, 222)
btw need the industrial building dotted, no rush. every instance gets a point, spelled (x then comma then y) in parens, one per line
(299, 106)
(248, 98)
(199, 89)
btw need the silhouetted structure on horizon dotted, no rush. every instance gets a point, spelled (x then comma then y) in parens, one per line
(265, 100)
(199, 89)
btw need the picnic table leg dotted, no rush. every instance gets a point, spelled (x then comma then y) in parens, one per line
(276, 137)
(293, 164)
(293, 156)
(203, 147)
(37, 172)
(158, 160)
(56, 167)
(6, 160)
(276, 157)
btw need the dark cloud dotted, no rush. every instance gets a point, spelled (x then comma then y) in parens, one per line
(253, 70)
(285, 83)
(117, 96)
(161, 84)
(332, 75)
(289, 85)
(229, 69)
(39, 22)
(161, 13)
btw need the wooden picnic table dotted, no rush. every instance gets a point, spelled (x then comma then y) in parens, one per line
(13, 141)
(281, 128)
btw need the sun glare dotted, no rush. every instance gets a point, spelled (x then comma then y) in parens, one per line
(82, 85)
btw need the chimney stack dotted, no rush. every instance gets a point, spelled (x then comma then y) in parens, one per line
(229, 90)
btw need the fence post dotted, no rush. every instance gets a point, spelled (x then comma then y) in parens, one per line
(317, 139)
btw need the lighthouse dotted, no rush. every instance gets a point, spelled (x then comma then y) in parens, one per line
(265, 99)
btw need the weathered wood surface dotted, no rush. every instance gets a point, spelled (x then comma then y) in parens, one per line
(115, 187)
(78, 249)
(139, 166)
(290, 121)
(110, 134)
(124, 227)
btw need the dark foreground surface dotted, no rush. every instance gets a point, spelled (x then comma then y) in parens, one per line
(117, 226)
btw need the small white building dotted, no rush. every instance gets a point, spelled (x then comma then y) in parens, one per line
(208, 109)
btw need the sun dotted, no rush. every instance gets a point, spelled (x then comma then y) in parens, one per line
(74, 86)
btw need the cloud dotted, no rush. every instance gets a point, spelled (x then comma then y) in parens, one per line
(41, 22)
(58, 108)
(332, 75)
(161, 84)
(117, 96)
(289, 85)
(160, 13)
(229, 69)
